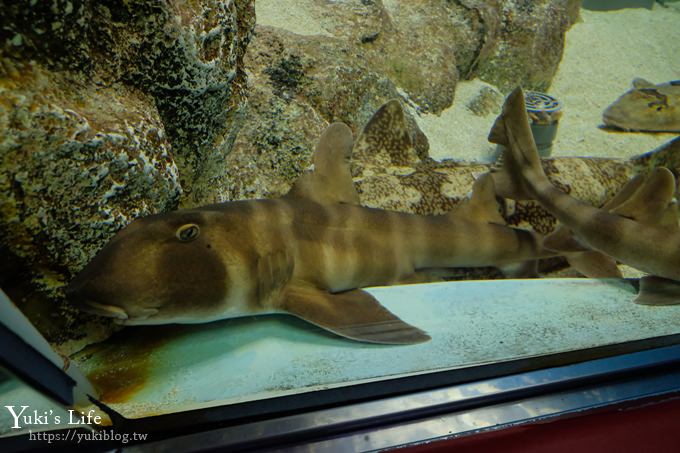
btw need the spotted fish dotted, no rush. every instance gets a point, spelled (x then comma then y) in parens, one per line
(306, 254)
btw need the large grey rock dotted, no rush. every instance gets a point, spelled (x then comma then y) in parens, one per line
(108, 111)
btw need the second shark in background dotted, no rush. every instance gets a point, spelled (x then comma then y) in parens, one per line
(639, 227)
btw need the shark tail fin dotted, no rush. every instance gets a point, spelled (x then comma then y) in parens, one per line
(521, 171)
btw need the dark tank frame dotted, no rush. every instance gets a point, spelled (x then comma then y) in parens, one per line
(413, 410)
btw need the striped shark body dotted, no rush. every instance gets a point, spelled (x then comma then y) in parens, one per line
(638, 227)
(389, 173)
(646, 107)
(307, 254)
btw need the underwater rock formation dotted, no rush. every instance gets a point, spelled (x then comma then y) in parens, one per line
(340, 61)
(109, 111)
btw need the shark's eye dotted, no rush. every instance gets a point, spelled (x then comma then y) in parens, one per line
(187, 232)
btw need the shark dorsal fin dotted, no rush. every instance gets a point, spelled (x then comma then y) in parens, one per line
(639, 82)
(385, 139)
(482, 205)
(331, 180)
(649, 204)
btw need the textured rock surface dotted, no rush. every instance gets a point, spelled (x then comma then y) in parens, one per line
(529, 43)
(108, 111)
(313, 62)
(298, 85)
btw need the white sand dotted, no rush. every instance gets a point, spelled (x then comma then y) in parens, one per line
(458, 133)
(604, 53)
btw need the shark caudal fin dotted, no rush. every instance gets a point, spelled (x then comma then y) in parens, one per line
(351, 314)
(331, 180)
(521, 168)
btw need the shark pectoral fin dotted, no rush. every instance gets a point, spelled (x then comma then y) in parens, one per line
(482, 205)
(331, 179)
(658, 291)
(594, 264)
(352, 314)
(563, 240)
(648, 204)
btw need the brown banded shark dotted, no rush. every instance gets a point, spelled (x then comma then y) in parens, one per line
(646, 107)
(306, 254)
(389, 173)
(638, 227)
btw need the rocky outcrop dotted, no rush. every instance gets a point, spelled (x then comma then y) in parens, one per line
(108, 111)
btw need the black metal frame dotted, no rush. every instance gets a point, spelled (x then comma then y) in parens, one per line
(632, 377)
(32, 367)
